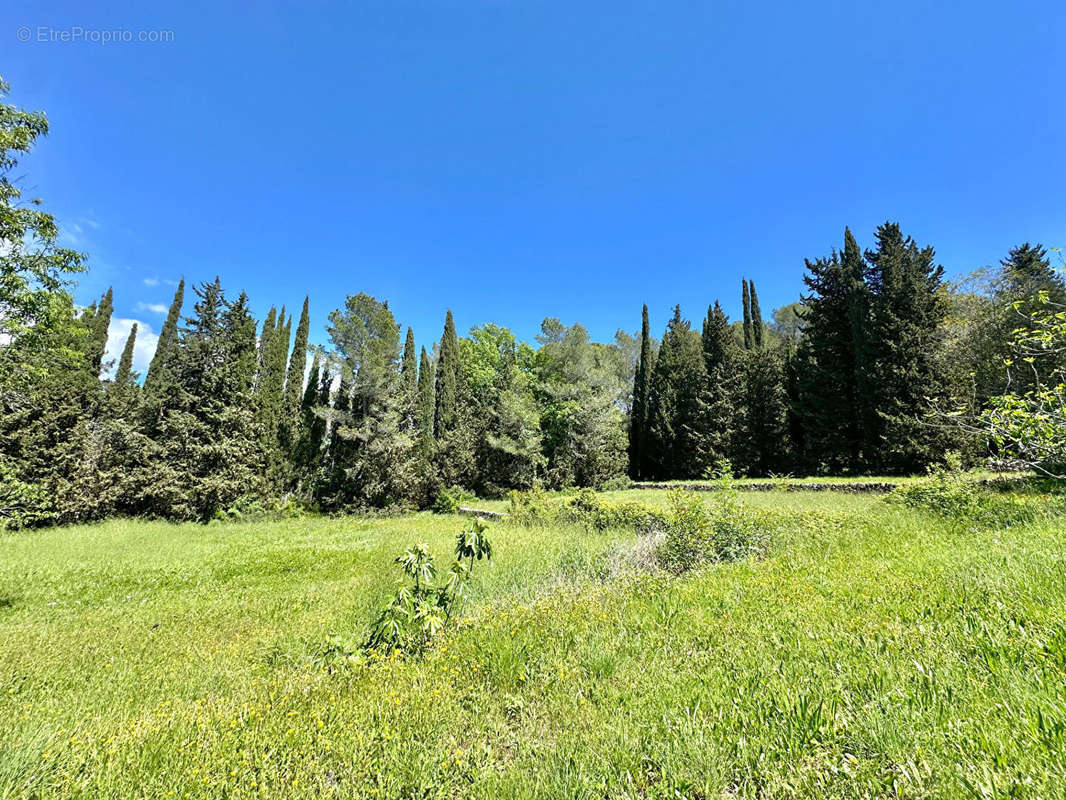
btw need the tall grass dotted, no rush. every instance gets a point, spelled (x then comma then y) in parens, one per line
(874, 652)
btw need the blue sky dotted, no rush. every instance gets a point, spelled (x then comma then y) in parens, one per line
(512, 160)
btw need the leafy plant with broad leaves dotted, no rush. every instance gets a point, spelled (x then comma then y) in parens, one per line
(422, 607)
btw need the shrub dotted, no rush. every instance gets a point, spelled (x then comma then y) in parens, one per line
(22, 504)
(952, 493)
(722, 529)
(448, 500)
(589, 509)
(532, 507)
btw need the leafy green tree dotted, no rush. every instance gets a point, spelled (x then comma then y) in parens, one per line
(37, 321)
(579, 386)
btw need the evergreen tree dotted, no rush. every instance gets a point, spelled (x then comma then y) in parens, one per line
(674, 415)
(832, 406)
(239, 327)
(721, 391)
(123, 386)
(765, 439)
(749, 333)
(908, 306)
(210, 453)
(266, 348)
(124, 374)
(166, 346)
(447, 378)
(638, 418)
(294, 378)
(98, 325)
(756, 317)
(409, 365)
(426, 401)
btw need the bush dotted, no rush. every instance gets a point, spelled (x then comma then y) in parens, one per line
(22, 505)
(532, 507)
(589, 509)
(722, 529)
(952, 493)
(449, 500)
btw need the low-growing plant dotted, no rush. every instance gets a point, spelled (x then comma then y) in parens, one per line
(718, 529)
(591, 510)
(531, 507)
(421, 608)
(960, 496)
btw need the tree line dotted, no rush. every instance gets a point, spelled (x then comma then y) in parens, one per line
(234, 414)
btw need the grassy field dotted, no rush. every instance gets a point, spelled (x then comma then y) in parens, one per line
(875, 651)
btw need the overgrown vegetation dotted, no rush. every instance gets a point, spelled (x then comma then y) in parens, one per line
(873, 650)
(224, 420)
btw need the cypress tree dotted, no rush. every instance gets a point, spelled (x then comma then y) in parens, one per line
(124, 378)
(426, 400)
(294, 378)
(409, 365)
(306, 450)
(265, 347)
(638, 418)
(674, 429)
(98, 325)
(167, 344)
(756, 317)
(749, 335)
(447, 380)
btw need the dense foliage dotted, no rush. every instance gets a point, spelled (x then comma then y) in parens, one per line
(230, 419)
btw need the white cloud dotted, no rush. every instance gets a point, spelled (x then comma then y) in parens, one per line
(143, 349)
(155, 308)
(151, 281)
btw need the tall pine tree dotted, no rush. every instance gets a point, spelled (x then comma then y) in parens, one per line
(908, 306)
(721, 392)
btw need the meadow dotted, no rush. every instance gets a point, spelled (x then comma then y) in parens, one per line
(873, 651)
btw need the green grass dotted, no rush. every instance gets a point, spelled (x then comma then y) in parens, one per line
(875, 652)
